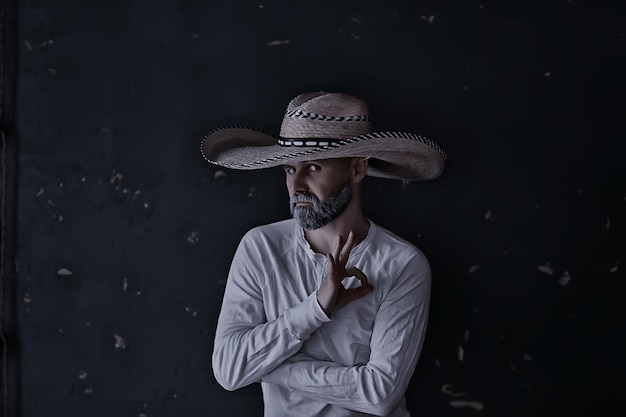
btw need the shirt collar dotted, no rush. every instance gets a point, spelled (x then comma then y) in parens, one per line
(318, 257)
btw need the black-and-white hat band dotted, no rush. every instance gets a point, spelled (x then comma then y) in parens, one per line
(316, 143)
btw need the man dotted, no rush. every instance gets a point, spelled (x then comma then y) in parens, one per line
(327, 310)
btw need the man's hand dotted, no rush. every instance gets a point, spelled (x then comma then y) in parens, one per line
(332, 294)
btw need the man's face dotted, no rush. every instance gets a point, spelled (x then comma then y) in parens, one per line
(319, 191)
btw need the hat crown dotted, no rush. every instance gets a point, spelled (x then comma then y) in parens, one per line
(325, 115)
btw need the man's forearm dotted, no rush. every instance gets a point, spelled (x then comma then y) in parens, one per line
(360, 388)
(245, 351)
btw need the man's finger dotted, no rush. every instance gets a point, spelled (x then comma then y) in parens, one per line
(334, 272)
(332, 269)
(356, 272)
(337, 252)
(347, 248)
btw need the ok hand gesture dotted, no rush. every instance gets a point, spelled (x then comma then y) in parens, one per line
(332, 294)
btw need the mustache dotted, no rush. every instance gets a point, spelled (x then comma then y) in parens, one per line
(304, 197)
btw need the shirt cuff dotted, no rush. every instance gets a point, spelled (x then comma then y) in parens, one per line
(305, 318)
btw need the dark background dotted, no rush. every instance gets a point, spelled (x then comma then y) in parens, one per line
(118, 236)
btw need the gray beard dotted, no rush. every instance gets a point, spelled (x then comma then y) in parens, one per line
(311, 218)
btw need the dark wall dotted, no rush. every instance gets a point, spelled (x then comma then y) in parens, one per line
(125, 235)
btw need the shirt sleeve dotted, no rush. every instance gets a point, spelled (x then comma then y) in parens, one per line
(247, 346)
(377, 387)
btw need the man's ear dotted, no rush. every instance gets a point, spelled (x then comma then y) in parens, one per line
(359, 169)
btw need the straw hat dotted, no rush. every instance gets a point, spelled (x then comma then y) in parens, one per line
(324, 125)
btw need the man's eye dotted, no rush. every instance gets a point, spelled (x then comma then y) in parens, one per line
(314, 167)
(290, 170)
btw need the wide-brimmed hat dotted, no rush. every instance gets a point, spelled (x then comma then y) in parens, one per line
(325, 125)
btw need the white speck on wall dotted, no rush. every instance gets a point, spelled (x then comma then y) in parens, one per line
(460, 353)
(546, 269)
(193, 237)
(82, 374)
(546, 74)
(120, 343)
(45, 43)
(64, 272)
(253, 192)
(117, 176)
(278, 42)
(88, 391)
(449, 389)
(527, 357)
(429, 18)
(125, 284)
(565, 278)
(473, 269)
(474, 405)
(488, 215)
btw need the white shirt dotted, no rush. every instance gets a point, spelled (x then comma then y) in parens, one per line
(272, 329)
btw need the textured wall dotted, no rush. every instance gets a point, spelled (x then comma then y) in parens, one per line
(124, 233)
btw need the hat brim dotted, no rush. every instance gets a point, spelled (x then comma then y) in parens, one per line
(396, 155)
